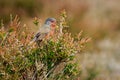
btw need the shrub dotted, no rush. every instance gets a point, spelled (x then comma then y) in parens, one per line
(54, 59)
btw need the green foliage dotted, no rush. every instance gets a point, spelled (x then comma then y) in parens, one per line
(19, 60)
(71, 69)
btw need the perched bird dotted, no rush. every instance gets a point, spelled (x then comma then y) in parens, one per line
(45, 31)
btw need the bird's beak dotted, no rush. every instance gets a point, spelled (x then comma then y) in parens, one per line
(54, 24)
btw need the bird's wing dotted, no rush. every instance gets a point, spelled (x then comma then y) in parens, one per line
(40, 36)
(44, 31)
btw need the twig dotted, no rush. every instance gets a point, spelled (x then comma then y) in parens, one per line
(50, 71)
(61, 28)
(36, 68)
(34, 75)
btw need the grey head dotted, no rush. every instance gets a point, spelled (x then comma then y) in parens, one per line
(49, 21)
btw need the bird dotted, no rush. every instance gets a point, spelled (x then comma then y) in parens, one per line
(45, 31)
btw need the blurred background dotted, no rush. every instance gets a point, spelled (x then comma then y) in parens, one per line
(99, 19)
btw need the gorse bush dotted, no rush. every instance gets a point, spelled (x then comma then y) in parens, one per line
(53, 59)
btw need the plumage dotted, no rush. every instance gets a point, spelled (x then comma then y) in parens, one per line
(45, 30)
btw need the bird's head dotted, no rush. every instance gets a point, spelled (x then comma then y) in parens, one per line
(51, 22)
